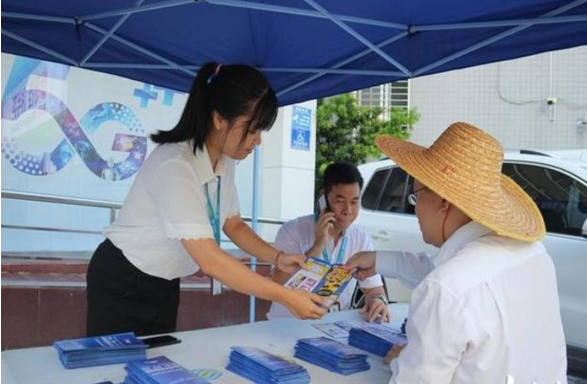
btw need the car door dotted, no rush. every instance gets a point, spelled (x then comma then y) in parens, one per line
(385, 213)
(390, 220)
(562, 199)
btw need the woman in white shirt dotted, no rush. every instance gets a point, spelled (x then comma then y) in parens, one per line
(182, 197)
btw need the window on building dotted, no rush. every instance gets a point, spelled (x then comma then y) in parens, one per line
(386, 96)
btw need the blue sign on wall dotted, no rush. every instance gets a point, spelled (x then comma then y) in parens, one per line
(301, 128)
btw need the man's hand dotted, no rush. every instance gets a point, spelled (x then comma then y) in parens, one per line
(363, 263)
(394, 352)
(375, 309)
(289, 262)
(324, 224)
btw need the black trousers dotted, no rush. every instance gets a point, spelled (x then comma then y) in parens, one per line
(121, 298)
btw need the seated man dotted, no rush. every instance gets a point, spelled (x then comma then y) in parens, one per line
(486, 308)
(332, 237)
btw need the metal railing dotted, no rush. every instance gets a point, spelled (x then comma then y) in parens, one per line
(112, 206)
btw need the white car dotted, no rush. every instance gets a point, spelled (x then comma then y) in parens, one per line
(557, 185)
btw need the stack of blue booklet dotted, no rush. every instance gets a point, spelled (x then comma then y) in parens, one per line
(375, 338)
(264, 368)
(159, 370)
(101, 350)
(332, 355)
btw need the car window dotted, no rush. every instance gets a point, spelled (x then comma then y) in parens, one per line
(372, 193)
(394, 196)
(562, 200)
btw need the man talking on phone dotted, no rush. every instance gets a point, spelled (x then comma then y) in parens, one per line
(331, 236)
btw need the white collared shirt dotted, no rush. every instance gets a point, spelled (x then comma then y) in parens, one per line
(167, 203)
(489, 308)
(297, 236)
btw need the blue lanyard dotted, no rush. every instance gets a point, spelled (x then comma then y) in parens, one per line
(341, 252)
(214, 216)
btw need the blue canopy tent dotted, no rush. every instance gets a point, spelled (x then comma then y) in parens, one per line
(307, 48)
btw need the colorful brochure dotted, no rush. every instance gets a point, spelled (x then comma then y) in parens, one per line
(321, 278)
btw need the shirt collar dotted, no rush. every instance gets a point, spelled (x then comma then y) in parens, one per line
(330, 241)
(461, 237)
(203, 165)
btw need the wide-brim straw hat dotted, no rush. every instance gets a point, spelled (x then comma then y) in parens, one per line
(463, 166)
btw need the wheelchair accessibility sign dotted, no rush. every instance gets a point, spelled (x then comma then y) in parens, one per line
(301, 128)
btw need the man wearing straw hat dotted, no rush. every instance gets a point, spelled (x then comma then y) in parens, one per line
(487, 306)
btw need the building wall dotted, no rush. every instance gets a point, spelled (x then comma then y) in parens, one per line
(509, 100)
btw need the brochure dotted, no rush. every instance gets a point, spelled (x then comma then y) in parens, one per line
(321, 278)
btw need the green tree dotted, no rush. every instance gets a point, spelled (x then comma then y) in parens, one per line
(346, 131)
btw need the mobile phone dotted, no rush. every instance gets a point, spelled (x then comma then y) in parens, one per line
(323, 204)
(160, 341)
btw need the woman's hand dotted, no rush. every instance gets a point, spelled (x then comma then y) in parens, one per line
(303, 304)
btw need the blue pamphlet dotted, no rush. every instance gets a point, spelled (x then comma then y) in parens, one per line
(160, 370)
(332, 355)
(101, 350)
(262, 367)
(374, 338)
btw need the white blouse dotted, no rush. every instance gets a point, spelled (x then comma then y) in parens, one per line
(167, 203)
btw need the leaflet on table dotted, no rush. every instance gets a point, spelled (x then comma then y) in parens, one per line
(263, 367)
(332, 330)
(160, 370)
(340, 329)
(109, 342)
(321, 278)
(101, 350)
(332, 355)
(377, 329)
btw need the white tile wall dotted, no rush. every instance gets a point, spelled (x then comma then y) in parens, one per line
(509, 100)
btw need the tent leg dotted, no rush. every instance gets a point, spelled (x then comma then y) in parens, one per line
(255, 224)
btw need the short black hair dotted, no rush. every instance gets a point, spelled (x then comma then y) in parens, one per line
(341, 173)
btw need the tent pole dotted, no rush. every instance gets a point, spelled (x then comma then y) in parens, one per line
(137, 9)
(499, 24)
(40, 47)
(30, 16)
(140, 49)
(496, 38)
(107, 36)
(331, 71)
(359, 37)
(349, 60)
(255, 223)
(305, 12)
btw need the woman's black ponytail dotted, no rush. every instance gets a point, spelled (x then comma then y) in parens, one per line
(232, 91)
